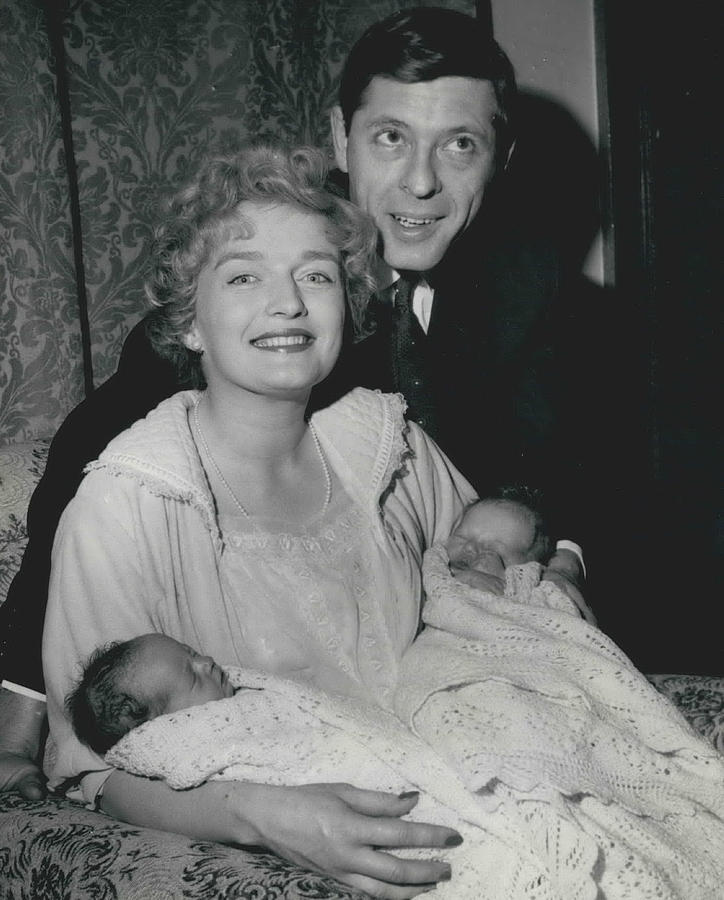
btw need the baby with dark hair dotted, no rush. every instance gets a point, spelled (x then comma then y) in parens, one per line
(127, 683)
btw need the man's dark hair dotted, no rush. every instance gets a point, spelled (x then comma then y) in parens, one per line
(100, 708)
(422, 44)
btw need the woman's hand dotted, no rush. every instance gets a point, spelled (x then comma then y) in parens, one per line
(21, 774)
(336, 829)
(22, 726)
(345, 832)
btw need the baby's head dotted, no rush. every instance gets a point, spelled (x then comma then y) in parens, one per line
(127, 683)
(500, 531)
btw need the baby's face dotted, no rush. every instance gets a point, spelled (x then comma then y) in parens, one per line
(492, 535)
(178, 676)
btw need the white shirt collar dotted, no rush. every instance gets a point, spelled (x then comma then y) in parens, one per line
(421, 299)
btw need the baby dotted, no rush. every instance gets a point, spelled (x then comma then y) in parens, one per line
(125, 684)
(509, 719)
(496, 532)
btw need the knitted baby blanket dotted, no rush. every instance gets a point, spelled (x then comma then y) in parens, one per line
(528, 702)
(524, 728)
(280, 732)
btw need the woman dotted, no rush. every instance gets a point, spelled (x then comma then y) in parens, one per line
(229, 519)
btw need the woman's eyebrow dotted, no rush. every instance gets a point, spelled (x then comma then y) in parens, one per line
(320, 254)
(248, 255)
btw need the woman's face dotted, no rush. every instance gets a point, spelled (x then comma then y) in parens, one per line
(270, 303)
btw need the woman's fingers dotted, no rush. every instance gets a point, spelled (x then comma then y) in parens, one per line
(376, 803)
(344, 831)
(388, 891)
(385, 828)
(387, 868)
(374, 824)
(18, 773)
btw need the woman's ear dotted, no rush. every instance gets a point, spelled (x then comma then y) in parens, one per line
(339, 137)
(192, 340)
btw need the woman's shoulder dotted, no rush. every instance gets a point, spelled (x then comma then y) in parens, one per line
(363, 434)
(363, 422)
(158, 452)
(365, 411)
(155, 430)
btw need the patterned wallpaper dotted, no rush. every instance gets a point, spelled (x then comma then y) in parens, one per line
(40, 359)
(149, 84)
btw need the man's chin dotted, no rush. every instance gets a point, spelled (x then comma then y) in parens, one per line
(414, 259)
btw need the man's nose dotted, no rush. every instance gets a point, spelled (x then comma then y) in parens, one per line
(420, 177)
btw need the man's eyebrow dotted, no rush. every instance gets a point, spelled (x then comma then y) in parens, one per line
(387, 121)
(484, 131)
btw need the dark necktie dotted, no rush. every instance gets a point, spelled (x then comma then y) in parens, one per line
(408, 352)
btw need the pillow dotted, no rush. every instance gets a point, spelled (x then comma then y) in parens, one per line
(700, 699)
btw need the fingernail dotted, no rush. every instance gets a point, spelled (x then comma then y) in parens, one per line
(407, 795)
(454, 840)
(446, 875)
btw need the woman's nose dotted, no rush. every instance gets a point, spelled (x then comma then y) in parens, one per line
(420, 177)
(286, 299)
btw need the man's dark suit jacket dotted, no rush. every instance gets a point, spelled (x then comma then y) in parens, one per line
(501, 368)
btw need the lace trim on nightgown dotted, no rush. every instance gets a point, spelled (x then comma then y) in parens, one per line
(328, 543)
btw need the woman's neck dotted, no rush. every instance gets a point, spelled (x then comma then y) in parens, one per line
(253, 427)
(261, 458)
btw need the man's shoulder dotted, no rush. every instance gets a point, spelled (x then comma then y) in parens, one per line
(485, 271)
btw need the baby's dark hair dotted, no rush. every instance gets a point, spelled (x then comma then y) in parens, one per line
(100, 706)
(534, 500)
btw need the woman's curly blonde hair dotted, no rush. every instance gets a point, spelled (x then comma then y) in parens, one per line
(197, 215)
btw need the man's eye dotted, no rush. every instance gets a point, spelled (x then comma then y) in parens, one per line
(244, 279)
(461, 144)
(390, 137)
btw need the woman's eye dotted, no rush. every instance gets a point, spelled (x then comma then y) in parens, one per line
(317, 278)
(244, 279)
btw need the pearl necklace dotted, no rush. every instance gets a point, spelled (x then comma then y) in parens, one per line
(239, 504)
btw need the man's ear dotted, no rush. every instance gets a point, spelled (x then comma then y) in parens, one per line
(339, 137)
(509, 155)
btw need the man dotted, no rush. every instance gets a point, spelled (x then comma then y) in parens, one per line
(422, 129)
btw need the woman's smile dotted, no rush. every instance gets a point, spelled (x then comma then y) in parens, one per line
(289, 341)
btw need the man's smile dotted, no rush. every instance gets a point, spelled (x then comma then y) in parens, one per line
(413, 221)
(408, 227)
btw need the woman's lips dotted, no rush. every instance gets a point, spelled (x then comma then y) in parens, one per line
(283, 342)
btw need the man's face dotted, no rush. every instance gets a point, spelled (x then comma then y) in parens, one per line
(419, 157)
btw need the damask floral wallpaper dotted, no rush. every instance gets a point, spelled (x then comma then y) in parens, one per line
(40, 358)
(105, 104)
